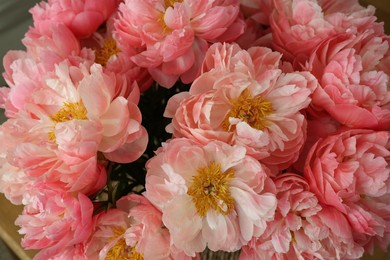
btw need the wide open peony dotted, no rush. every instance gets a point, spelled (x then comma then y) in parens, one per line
(212, 195)
(243, 97)
(67, 121)
(353, 74)
(173, 36)
(300, 229)
(350, 171)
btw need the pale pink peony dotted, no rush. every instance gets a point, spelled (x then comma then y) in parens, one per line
(298, 230)
(354, 79)
(55, 220)
(298, 26)
(14, 183)
(212, 194)
(82, 17)
(173, 36)
(244, 98)
(23, 76)
(350, 171)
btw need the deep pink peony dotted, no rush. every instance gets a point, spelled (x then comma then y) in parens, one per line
(82, 17)
(350, 171)
(173, 36)
(298, 230)
(212, 194)
(353, 73)
(298, 26)
(55, 220)
(243, 97)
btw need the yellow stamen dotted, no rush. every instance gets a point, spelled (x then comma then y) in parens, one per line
(121, 251)
(108, 50)
(210, 190)
(69, 111)
(170, 3)
(253, 110)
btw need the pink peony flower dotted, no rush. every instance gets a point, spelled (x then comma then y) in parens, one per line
(244, 98)
(67, 121)
(212, 194)
(56, 45)
(107, 236)
(117, 60)
(354, 79)
(147, 234)
(55, 220)
(350, 171)
(172, 36)
(82, 17)
(133, 230)
(14, 183)
(298, 230)
(298, 26)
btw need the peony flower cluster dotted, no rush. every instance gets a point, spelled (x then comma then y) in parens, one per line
(163, 129)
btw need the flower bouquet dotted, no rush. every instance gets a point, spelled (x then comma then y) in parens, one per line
(158, 129)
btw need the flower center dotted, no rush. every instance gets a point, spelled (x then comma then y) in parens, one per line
(253, 110)
(69, 111)
(121, 251)
(109, 49)
(210, 190)
(170, 3)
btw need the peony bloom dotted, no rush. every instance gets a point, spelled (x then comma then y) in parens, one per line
(244, 98)
(212, 194)
(298, 26)
(55, 220)
(147, 234)
(354, 79)
(117, 60)
(56, 45)
(67, 121)
(173, 36)
(350, 172)
(14, 183)
(298, 230)
(107, 239)
(82, 17)
(133, 230)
